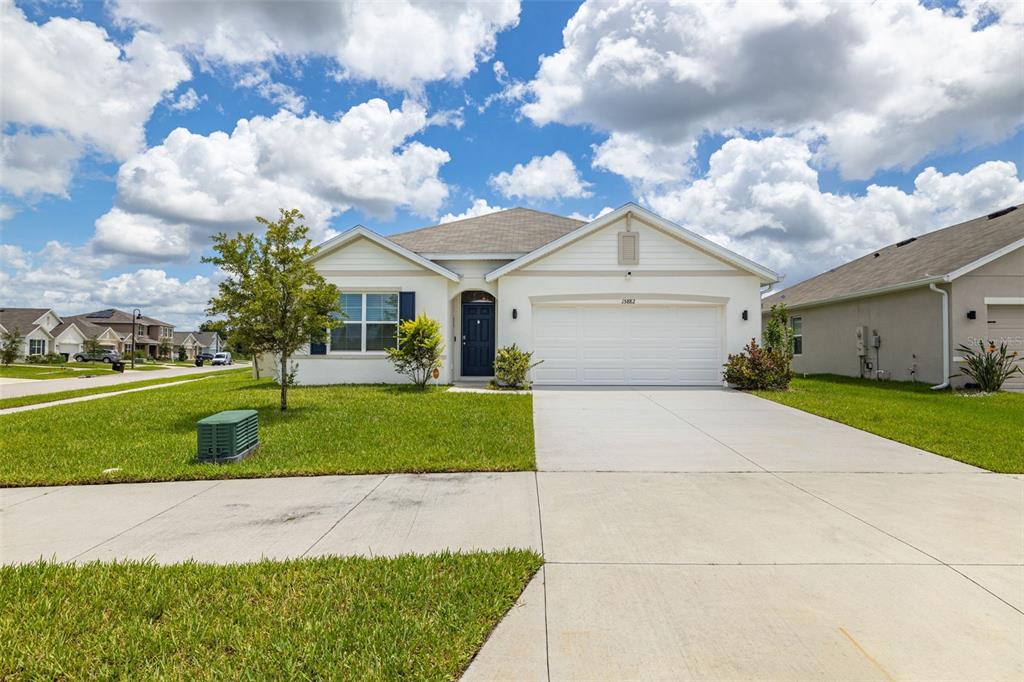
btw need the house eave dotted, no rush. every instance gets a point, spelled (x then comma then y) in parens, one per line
(358, 231)
(866, 293)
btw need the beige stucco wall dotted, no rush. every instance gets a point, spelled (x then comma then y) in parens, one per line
(908, 322)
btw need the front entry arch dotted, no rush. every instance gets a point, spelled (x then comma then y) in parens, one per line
(477, 334)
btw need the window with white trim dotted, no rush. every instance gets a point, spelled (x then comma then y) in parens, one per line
(37, 346)
(369, 323)
(798, 335)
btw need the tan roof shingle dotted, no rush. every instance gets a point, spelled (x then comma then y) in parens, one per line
(514, 230)
(933, 254)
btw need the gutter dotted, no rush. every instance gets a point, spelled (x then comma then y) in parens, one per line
(945, 337)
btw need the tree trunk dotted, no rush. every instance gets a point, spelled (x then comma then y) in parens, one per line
(284, 383)
(256, 365)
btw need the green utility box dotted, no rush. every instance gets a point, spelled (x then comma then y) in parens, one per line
(228, 436)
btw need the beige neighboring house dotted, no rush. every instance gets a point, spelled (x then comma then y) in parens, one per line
(197, 342)
(149, 332)
(47, 332)
(902, 311)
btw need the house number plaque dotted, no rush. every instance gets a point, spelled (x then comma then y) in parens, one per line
(628, 301)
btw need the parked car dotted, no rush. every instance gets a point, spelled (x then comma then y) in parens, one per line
(98, 356)
(222, 359)
(205, 357)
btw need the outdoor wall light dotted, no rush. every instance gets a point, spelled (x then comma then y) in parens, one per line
(515, 314)
(629, 273)
(971, 314)
(745, 316)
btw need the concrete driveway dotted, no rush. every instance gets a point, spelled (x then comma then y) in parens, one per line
(688, 534)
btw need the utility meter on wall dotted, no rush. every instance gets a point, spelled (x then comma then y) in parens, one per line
(862, 341)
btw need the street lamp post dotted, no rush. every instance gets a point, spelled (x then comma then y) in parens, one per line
(136, 316)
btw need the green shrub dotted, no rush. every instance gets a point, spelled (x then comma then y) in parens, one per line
(989, 367)
(182, 355)
(511, 366)
(758, 368)
(778, 333)
(419, 349)
(10, 346)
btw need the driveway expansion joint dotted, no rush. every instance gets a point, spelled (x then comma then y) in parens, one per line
(343, 516)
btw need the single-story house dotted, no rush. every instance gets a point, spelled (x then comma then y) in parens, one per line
(901, 312)
(628, 298)
(46, 332)
(35, 325)
(195, 342)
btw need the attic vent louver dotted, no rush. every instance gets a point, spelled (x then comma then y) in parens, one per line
(999, 214)
(905, 242)
(629, 248)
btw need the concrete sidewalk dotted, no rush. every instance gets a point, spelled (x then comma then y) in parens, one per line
(43, 386)
(772, 571)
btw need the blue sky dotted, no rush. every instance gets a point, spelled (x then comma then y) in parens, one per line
(510, 109)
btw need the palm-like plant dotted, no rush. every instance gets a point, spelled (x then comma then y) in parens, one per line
(989, 366)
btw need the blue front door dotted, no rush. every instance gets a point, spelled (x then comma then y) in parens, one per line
(477, 339)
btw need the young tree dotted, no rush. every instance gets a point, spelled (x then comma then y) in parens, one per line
(778, 334)
(273, 297)
(164, 349)
(10, 346)
(91, 346)
(419, 349)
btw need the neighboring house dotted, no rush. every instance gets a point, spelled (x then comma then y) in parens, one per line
(197, 342)
(149, 332)
(629, 298)
(904, 309)
(35, 325)
(47, 332)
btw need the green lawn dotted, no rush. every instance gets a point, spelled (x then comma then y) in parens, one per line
(983, 430)
(78, 392)
(54, 371)
(414, 617)
(151, 435)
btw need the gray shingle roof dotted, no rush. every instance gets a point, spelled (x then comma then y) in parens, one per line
(933, 254)
(205, 339)
(115, 316)
(515, 230)
(88, 328)
(22, 319)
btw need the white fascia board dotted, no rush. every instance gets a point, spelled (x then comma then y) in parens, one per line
(865, 293)
(472, 256)
(360, 231)
(766, 275)
(984, 260)
(1004, 300)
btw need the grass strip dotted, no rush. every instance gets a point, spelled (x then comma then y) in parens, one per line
(411, 617)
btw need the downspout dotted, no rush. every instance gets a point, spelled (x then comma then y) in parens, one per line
(945, 337)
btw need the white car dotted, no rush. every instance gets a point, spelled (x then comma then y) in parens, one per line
(221, 359)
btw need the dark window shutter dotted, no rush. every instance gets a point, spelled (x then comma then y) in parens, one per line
(318, 349)
(407, 305)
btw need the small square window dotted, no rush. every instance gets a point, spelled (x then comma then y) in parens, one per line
(381, 336)
(347, 337)
(352, 306)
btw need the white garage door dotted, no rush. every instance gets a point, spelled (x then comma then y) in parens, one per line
(1006, 325)
(627, 344)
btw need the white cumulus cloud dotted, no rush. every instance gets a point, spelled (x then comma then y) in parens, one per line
(172, 197)
(881, 85)
(478, 208)
(66, 82)
(401, 44)
(544, 177)
(762, 198)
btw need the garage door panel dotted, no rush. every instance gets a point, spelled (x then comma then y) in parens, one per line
(616, 344)
(1006, 325)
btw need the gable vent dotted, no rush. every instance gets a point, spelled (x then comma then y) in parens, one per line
(629, 248)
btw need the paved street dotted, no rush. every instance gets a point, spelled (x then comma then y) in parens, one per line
(687, 535)
(23, 387)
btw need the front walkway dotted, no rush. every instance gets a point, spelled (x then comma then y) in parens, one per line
(700, 534)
